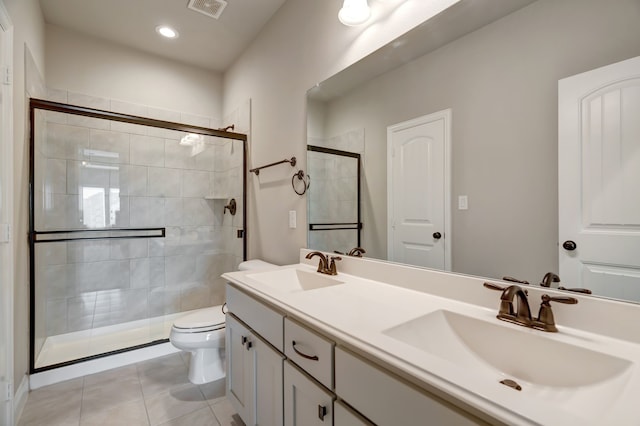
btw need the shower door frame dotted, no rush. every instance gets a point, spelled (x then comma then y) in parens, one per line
(41, 104)
(357, 226)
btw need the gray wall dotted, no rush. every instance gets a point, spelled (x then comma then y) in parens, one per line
(303, 43)
(88, 65)
(501, 82)
(28, 36)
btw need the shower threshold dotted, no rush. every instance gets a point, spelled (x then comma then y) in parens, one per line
(87, 343)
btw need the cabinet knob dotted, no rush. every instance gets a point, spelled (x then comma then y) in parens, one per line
(249, 345)
(244, 340)
(322, 411)
(437, 235)
(569, 245)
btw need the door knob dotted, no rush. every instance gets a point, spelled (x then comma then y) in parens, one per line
(437, 235)
(569, 245)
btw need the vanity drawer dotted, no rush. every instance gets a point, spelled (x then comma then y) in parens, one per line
(264, 320)
(310, 351)
(345, 416)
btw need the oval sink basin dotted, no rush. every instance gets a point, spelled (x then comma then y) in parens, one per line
(292, 280)
(504, 352)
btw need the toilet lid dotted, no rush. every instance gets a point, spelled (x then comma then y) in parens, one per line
(201, 318)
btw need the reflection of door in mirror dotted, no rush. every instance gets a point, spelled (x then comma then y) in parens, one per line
(333, 199)
(599, 180)
(418, 191)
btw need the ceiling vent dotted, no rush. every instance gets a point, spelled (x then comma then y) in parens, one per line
(211, 8)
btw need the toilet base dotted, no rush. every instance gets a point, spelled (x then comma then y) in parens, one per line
(206, 365)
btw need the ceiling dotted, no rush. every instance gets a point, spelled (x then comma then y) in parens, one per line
(204, 42)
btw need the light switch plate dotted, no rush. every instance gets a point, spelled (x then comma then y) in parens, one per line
(292, 219)
(463, 202)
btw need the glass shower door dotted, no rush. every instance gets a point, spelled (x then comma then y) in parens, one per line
(333, 199)
(128, 230)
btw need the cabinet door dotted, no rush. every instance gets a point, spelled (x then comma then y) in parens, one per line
(239, 369)
(305, 402)
(268, 365)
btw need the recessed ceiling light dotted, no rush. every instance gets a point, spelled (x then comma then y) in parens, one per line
(167, 32)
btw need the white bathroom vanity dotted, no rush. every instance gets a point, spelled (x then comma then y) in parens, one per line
(388, 344)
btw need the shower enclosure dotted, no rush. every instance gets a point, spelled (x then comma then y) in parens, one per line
(128, 228)
(333, 199)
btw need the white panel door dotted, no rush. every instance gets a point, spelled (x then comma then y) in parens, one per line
(599, 180)
(418, 191)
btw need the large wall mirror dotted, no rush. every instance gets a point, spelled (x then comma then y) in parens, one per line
(495, 65)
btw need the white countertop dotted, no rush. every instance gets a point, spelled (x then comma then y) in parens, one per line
(359, 312)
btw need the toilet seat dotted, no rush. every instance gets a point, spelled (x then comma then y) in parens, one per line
(203, 320)
(255, 264)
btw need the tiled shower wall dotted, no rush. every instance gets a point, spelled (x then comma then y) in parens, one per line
(99, 173)
(332, 196)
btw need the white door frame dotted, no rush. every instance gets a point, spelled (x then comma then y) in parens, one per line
(446, 116)
(6, 216)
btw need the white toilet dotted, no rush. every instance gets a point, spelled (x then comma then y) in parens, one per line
(202, 333)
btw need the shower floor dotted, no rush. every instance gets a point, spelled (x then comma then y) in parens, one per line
(86, 343)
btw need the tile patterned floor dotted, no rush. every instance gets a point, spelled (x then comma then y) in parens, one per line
(154, 392)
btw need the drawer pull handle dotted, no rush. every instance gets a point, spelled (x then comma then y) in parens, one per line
(322, 411)
(312, 358)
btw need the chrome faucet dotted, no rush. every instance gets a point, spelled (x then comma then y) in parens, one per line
(326, 265)
(522, 314)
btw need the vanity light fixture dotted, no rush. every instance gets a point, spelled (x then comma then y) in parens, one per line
(166, 31)
(354, 12)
